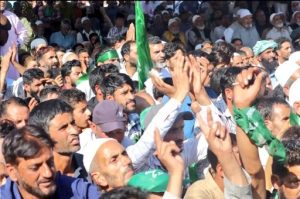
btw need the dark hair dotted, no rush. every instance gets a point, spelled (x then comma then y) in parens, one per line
(125, 193)
(281, 40)
(67, 67)
(60, 48)
(228, 78)
(265, 105)
(291, 143)
(81, 50)
(219, 57)
(78, 45)
(154, 40)
(6, 126)
(236, 39)
(156, 93)
(31, 74)
(42, 51)
(72, 96)
(53, 72)
(25, 143)
(126, 48)
(171, 48)
(114, 81)
(52, 89)
(96, 77)
(43, 113)
(109, 68)
(225, 47)
(11, 101)
(215, 80)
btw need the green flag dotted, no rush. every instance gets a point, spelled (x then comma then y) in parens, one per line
(144, 59)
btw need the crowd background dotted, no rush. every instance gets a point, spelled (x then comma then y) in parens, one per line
(215, 115)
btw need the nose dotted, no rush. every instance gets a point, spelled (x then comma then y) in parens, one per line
(74, 130)
(88, 113)
(47, 171)
(126, 160)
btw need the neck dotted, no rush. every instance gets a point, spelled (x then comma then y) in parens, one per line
(131, 69)
(281, 60)
(63, 163)
(25, 194)
(219, 181)
(99, 98)
(68, 86)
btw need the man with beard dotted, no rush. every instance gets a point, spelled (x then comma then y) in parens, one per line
(28, 153)
(56, 118)
(243, 29)
(129, 54)
(70, 72)
(173, 34)
(46, 58)
(279, 28)
(158, 59)
(198, 33)
(265, 57)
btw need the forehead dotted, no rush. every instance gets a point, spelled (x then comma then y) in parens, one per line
(157, 47)
(124, 87)
(76, 69)
(81, 104)
(50, 53)
(60, 119)
(44, 154)
(281, 108)
(108, 150)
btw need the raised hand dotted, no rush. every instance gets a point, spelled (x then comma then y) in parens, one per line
(169, 154)
(130, 35)
(247, 86)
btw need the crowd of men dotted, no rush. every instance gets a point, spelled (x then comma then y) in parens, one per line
(218, 116)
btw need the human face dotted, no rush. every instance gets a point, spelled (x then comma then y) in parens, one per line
(81, 115)
(65, 28)
(84, 58)
(238, 44)
(2, 5)
(117, 134)
(157, 53)
(35, 176)
(247, 21)
(237, 61)
(31, 64)
(289, 187)
(59, 55)
(176, 133)
(133, 55)
(174, 28)
(279, 118)
(50, 60)
(125, 97)
(34, 88)
(285, 50)
(268, 55)
(65, 134)
(114, 165)
(75, 74)
(278, 21)
(17, 114)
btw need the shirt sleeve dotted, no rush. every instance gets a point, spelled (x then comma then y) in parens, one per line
(168, 195)
(21, 32)
(163, 120)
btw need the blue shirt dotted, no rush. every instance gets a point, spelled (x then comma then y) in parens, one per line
(66, 41)
(66, 187)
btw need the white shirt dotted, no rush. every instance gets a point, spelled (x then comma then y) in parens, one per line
(135, 76)
(275, 33)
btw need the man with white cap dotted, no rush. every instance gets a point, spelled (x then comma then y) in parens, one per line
(83, 36)
(294, 96)
(198, 33)
(243, 29)
(295, 21)
(279, 29)
(286, 74)
(173, 34)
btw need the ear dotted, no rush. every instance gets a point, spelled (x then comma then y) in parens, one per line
(219, 170)
(229, 93)
(126, 57)
(276, 182)
(268, 124)
(296, 107)
(286, 91)
(12, 172)
(67, 80)
(98, 90)
(99, 179)
(109, 97)
(26, 87)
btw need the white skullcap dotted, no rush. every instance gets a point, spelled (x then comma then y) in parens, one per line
(294, 94)
(39, 22)
(219, 41)
(285, 71)
(243, 13)
(172, 21)
(130, 17)
(198, 46)
(83, 19)
(294, 57)
(36, 42)
(274, 15)
(90, 151)
(164, 12)
(294, 13)
(195, 17)
(65, 57)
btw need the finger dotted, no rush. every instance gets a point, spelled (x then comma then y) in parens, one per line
(213, 132)
(245, 77)
(222, 132)
(239, 80)
(203, 126)
(209, 117)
